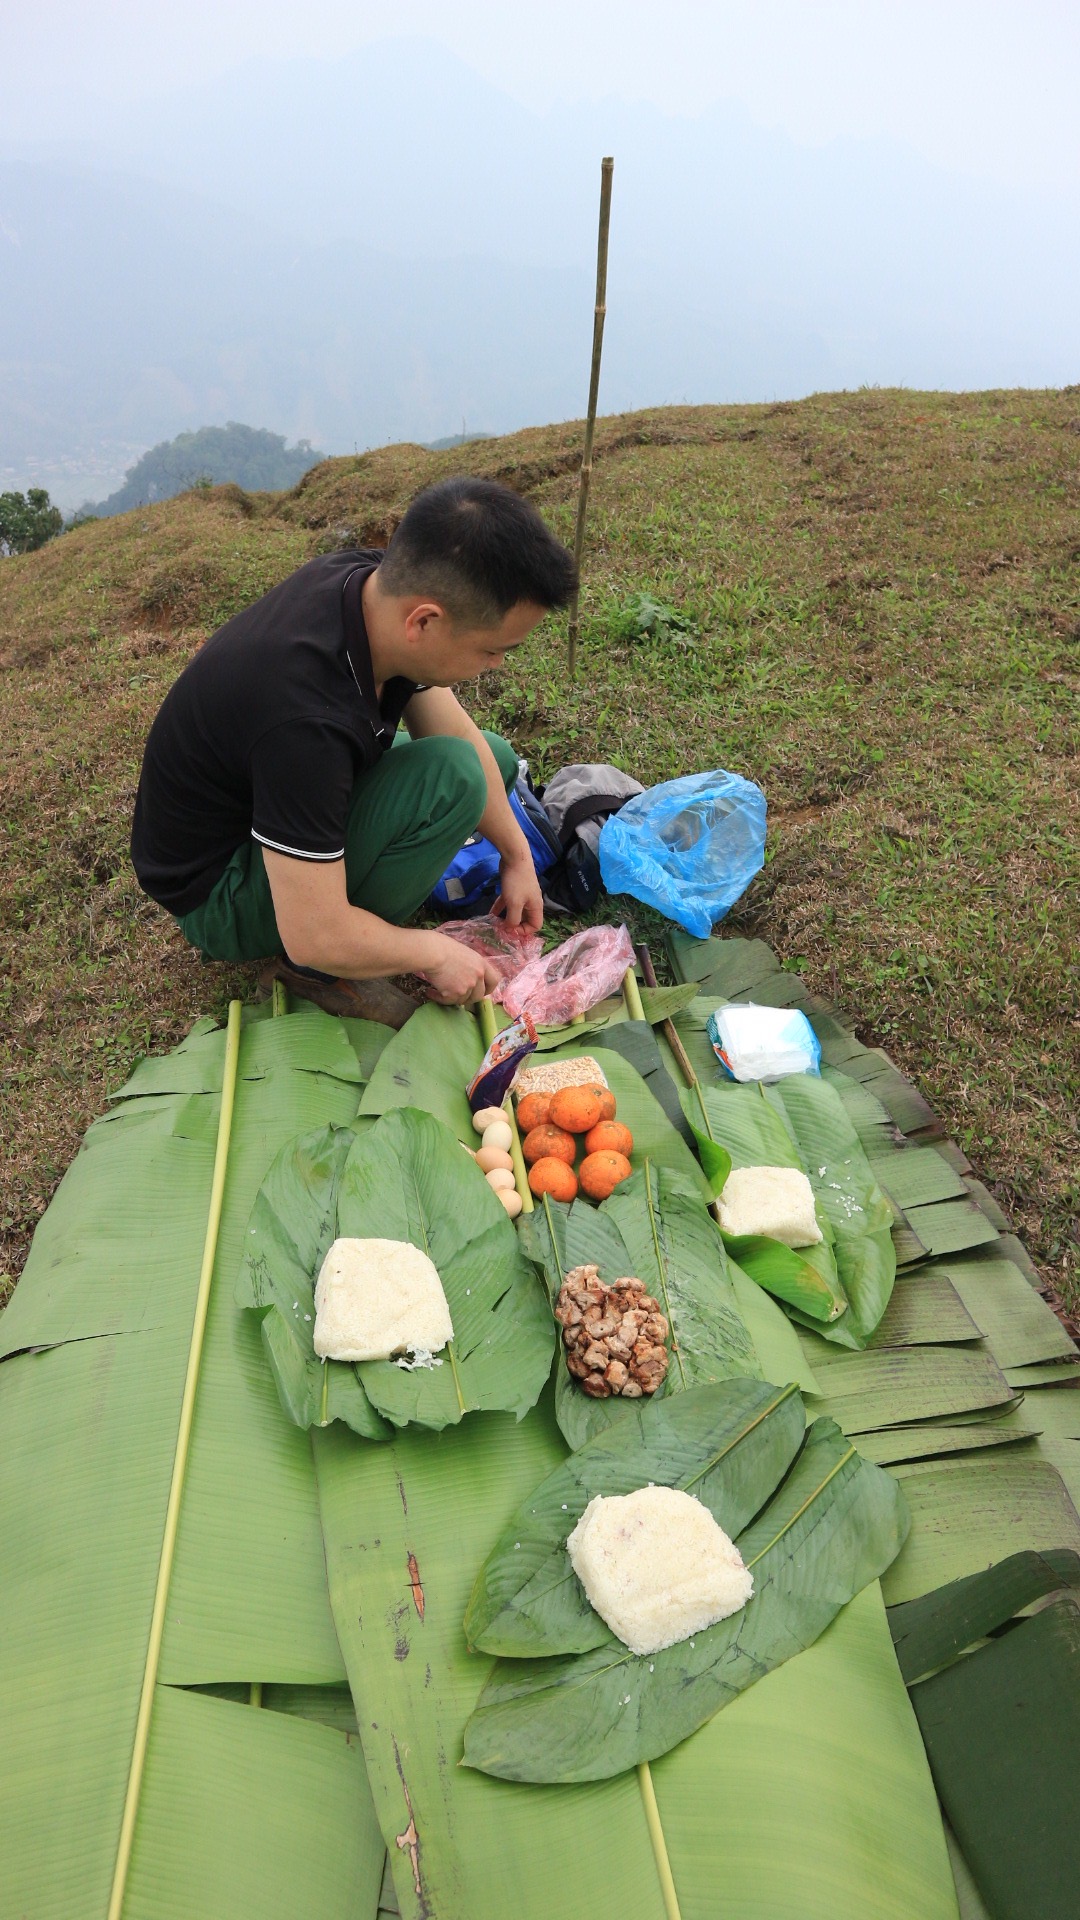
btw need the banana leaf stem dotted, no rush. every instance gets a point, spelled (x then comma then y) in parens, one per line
(485, 1013)
(632, 995)
(279, 999)
(659, 1843)
(180, 1456)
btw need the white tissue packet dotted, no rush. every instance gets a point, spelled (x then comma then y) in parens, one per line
(763, 1043)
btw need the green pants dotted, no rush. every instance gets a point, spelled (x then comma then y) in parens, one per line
(408, 816)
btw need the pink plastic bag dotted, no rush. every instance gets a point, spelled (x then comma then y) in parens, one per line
(509, 949)
(570, 979)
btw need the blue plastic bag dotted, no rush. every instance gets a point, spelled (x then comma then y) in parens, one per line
(690, 847)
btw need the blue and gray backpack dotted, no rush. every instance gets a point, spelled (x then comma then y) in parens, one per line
(563, 831)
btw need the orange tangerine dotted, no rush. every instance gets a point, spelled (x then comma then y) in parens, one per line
(532, 1110)
(612, 1135)
(549, 1140)
(553, 1176)
(607, 1102)
(600, 1173)
(575, 1109)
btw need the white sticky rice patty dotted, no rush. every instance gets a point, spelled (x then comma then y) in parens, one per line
(778, 1201)
(656, 1566)
(375, 1298)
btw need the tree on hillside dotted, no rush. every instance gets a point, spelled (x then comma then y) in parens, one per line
(251, 457)
(27, 520)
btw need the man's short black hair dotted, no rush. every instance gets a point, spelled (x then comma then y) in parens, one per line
(478, 549)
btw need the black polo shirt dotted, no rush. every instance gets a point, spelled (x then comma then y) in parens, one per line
(264, 734)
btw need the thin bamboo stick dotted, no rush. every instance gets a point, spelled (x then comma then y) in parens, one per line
(599, 315)
(279, 999)
(486, 1016)
(668, 1029)
(176, 1487)
(659, 1844)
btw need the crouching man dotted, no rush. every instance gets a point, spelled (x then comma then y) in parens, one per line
(280, 813)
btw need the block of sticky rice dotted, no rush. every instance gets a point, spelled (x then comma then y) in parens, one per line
(778, 1201)
(375, 1298)
(656, 1566)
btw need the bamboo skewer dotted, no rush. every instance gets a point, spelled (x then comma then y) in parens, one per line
(667, 1027)
(176, 1486)
(599, 315)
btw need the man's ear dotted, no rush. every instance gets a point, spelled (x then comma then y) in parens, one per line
(424, 619)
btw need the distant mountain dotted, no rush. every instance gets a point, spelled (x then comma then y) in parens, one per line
(269, 247)
(250, 456)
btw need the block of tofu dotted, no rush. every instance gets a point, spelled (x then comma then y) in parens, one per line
(778, 1201)
(656, 1566)
(376, 1298)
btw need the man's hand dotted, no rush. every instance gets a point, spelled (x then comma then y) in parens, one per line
(453, 974)
(520, 898)
(319, 928)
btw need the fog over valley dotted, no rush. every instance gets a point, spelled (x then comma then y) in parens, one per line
(385, 246)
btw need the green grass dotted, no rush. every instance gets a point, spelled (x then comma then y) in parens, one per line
(885, 596)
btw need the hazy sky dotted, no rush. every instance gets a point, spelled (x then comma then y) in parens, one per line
(989, 88)
(353, 222)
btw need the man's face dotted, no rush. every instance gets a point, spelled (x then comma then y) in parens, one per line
(445, 653)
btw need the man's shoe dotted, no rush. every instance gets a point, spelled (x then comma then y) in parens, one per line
(348, 999)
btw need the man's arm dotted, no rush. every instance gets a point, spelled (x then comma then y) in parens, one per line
(319, 928)
(437, 710)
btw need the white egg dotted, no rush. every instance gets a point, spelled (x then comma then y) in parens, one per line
(500, 1178)
(511, 1200)
(498, 1134)
(488, 1158)
(487, 1117)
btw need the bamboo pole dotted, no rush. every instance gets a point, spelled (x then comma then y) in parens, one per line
(176, 1486)
(599, 314)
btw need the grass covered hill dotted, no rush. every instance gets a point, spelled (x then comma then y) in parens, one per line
(886, 594)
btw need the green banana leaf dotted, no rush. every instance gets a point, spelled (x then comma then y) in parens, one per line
(637, 1043)
(809, 1795)
(428, 1065)
(833, 1525)
(842, 1287)
(849, 1197)
(405, 1527)
(966, 1511)
(728, 1445)
(934, 1631)
(1001, 1724)
(823, 1753)
(658, 1003)
(1019, 1327)
(87, 1437)
(754, 1134)
(655, 1228)
(804, 1278)
(405, 1178)
(293, 1224)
